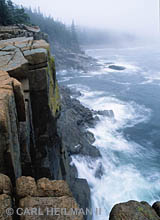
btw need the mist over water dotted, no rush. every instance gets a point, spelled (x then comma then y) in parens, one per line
(138, 17)
(129, 144)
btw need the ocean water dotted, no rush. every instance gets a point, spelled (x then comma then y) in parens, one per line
(129, 143)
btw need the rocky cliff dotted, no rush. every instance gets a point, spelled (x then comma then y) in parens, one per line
(30, 146)
(41, 127)
(28, 79)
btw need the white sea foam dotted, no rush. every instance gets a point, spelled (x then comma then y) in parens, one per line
(120, 181)
(152, 78)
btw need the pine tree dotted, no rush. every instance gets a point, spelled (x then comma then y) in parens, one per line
(3, 12)
(11, 10)
(74, 37)
(20, 17)
(9, 14)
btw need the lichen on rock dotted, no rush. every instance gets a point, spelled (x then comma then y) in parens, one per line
(54, 96)
(133, 210)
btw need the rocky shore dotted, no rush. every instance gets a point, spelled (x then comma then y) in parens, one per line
(72, 125)
(66, 59)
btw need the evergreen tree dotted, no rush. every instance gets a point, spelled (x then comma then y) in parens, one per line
(3, 12)
(74, 37)
(9, 14)
(59, 33)
(20, 17)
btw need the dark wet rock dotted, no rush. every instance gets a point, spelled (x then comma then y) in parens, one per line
(74, 119)
(67, 59)
(156, 207)
(74, 93)
(99, 171)
(133, 210)
(76, 140)
(76, 149)
(81, 193)
(90, 136)
(5, 203)
(115, 67)
(108, 113)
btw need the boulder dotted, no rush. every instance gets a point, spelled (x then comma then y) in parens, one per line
(5, 203)
(18, 55)
(108, 113)
(40, 44)
(59, 208)
(34, 29)
(115, 67)
(99, 171)
(5, 185)
(16, 65)
(156, 207)
(26, 186)
(133, 210)
(55, 188)
(36, 56)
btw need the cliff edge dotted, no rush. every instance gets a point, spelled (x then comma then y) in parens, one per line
(30, 147)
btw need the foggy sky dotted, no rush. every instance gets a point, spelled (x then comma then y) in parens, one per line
(140, 16)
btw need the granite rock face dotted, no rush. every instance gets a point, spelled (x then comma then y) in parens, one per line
(9, 140)
(5, 203)
(32, 200)
(51, 208)
(5, 185)
(133, 210)
(27, 186)
(5, 197)
(21, 30)
(30, 106)
(48, 196)
(54, 188)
